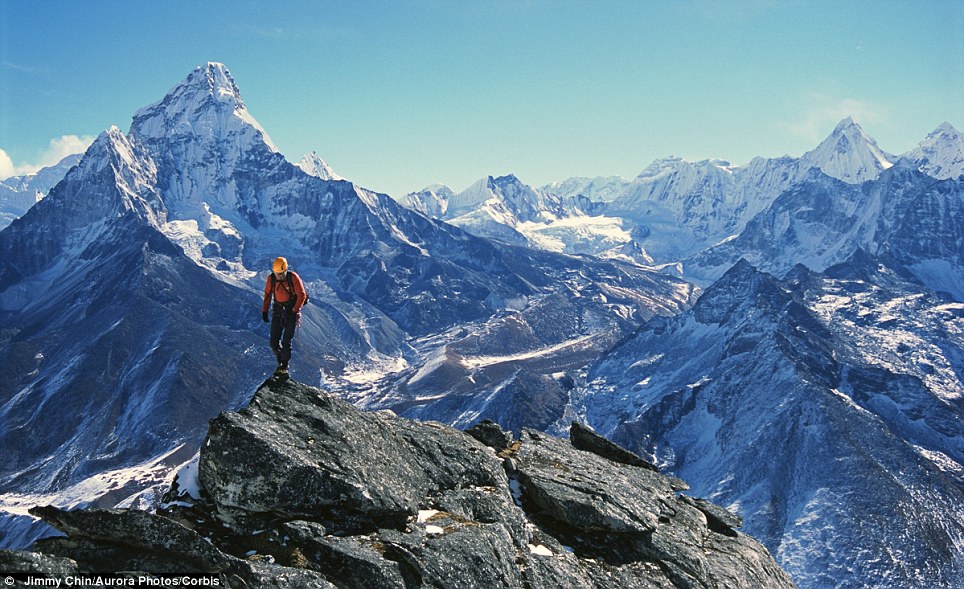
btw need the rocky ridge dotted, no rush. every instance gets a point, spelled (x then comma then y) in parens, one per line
(300, 489)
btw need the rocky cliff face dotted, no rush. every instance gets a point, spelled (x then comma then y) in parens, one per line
(300, 489)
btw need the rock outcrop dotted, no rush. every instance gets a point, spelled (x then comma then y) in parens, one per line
(300, 489)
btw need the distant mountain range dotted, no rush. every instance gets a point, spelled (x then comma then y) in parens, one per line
(815, 386)
(674, 209)
(19, 193)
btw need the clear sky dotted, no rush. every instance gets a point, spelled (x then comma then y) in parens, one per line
(396, 95)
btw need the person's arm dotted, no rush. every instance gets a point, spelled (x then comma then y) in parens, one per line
(267, 295)
(300, 292)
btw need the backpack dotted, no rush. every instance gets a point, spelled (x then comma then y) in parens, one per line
(291, 285)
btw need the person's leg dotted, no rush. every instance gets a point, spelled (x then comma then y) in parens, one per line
(277, 327)
(290, 323)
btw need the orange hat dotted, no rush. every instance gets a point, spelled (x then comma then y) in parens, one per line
(280, 265)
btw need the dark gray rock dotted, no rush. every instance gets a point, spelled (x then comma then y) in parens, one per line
(138, 530)
(715, 515)
(458, 553)
(299, 451)
(486, 506)
(357, 562)
(34, 562)
(489, 433)
(569, 572)
(585, 439)
(587, 492)
(624, 514)
(267, 576)
(120, 541)
(304, 490)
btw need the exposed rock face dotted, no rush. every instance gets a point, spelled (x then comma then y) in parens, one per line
(584, 438)
(489, 433)
(297, 452)
(19, 193)
(301, 489)
(626, 515)
(33, 562)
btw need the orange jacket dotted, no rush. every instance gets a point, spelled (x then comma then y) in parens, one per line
(281, 293)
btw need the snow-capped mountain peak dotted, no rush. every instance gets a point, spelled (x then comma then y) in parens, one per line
(512, 190)
(205, 146)
(431, 201)
(110, 148)
(206, 105)
(315, 166)
(211, 80)
(941, 153)
(477, 193)
(133, 174)
(849, 154)
(600, 189)
(662, 167)
(438, 188)
(507, 180)
(119, 144)
(506, 197)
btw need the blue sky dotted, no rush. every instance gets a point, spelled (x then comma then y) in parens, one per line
(398, 95)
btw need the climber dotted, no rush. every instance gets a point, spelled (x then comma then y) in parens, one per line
(289, 297)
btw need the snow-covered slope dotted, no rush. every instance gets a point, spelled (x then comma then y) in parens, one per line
(313, 165)
(506, 209)
(599, 189)
(19, 193)
(687, 207)
(432, 201)
(940, 154)
(849, 154)
(828, 410)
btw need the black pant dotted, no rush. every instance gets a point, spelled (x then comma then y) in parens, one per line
(283, 324)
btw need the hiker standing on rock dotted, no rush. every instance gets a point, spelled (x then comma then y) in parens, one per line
(289, 297)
